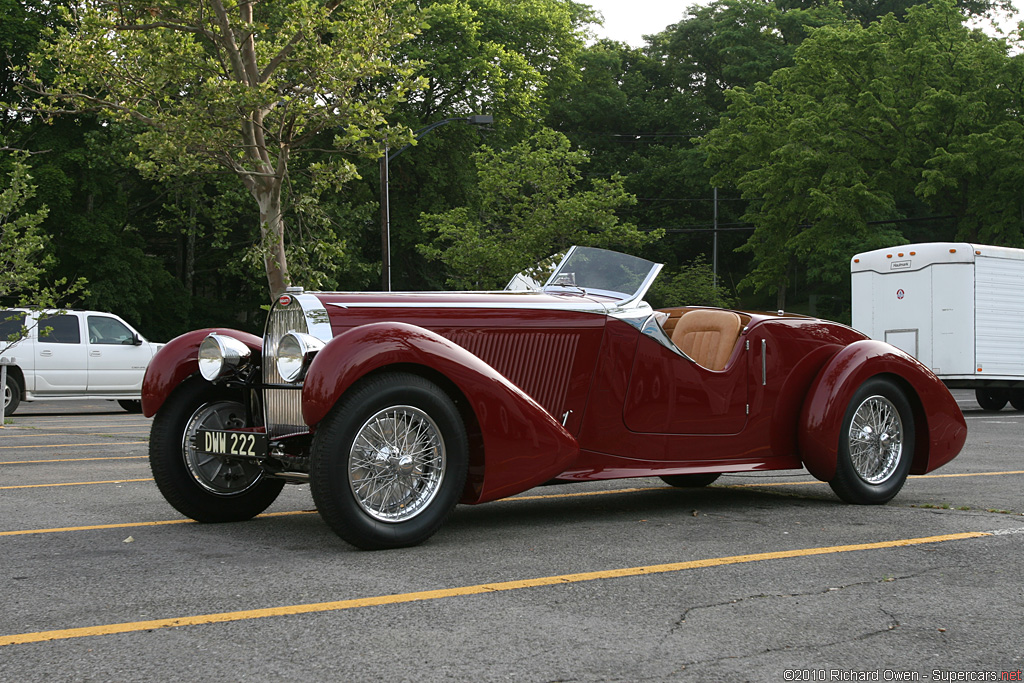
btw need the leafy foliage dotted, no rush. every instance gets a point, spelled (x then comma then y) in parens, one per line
(21, 242)
(830, 149)
(23, 251)
(691, 284)
(844, 129)
(530, 203)
(510, 60)
(243, 87)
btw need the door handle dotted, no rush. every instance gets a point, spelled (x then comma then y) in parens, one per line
(47, 353)
(95, 354)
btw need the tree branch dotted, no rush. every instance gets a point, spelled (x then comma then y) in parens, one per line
(227, 41)
(166, 24)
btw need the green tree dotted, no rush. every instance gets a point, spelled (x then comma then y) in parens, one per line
(244, 87)
(869, 124)
(506, 59)
(636, 111)
(23, 248)
(21, 242)
(737, 43)
(489, 56)
(531, 202)
(692, 284)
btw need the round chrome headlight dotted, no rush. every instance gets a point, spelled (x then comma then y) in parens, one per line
(295, 352)
(221, 356)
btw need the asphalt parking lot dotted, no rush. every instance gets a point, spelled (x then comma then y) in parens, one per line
(762, 577)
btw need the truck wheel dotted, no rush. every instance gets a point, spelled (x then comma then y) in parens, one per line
(204, 487)
(991, 399)
(131, 406)
(694, 481)
(1017, 399)
(12, 396)
(389, 462)
(876, 445)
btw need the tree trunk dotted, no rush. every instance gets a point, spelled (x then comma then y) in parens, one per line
(780, 298)
(190, 244)
(268, 195)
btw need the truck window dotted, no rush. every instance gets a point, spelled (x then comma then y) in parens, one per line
(11, 323)
(60, 329)
(104, 330)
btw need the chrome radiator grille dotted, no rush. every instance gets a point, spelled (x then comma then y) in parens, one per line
(282, 407)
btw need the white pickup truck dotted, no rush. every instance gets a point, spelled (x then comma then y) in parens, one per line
(73, 355)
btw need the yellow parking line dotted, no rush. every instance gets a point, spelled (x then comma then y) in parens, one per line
(132, 525)
(74, 483)
(590, 493)
(964, 474)
(503, 500)
(339, 605)
(768, 483)
(913, 476)
(71, 424)
(32, 434)
(127, 525)
(78, 445)
(41, 462)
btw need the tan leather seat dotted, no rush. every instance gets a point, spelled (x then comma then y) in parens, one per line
(708, 336)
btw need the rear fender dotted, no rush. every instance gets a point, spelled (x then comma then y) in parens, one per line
(178, 359)
(523, 445)
(940, 428)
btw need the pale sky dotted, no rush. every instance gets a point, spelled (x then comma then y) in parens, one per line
(629, 20)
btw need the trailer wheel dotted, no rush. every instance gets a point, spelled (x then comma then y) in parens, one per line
(1017, 399)
(992, 399)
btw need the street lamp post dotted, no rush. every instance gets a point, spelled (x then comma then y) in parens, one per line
(385, 202)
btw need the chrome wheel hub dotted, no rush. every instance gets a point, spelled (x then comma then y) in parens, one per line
(876, 439)
(218, 474)
(396, 463)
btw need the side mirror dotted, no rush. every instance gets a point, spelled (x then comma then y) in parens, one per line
(135, 339)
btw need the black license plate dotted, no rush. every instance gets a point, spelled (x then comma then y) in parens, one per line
(232, 444)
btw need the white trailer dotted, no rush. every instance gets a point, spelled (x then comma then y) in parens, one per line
(956, 307)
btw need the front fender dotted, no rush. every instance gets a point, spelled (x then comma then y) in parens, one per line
(523, 444)
(179, 359)
(940, 428)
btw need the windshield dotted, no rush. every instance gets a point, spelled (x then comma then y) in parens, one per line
(591, 271)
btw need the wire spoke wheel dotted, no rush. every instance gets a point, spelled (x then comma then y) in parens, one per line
(397, 463)
(217, 474)
(198, 485)
(876, 439)
(389, 462)
(876, 444)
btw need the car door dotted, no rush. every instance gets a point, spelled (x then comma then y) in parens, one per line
(116, 362)
(60, 356)
(669, 393)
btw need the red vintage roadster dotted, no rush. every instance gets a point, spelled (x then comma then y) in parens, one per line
(395, 407)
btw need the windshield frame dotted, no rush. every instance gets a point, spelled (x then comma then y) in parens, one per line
(557, 283)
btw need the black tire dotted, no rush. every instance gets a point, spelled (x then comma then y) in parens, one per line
(351, 450)
(237, 490)
(870, 470)
(690, 481)
(991, 399)
(12, 396)
(131, 406)
(1017, 399)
